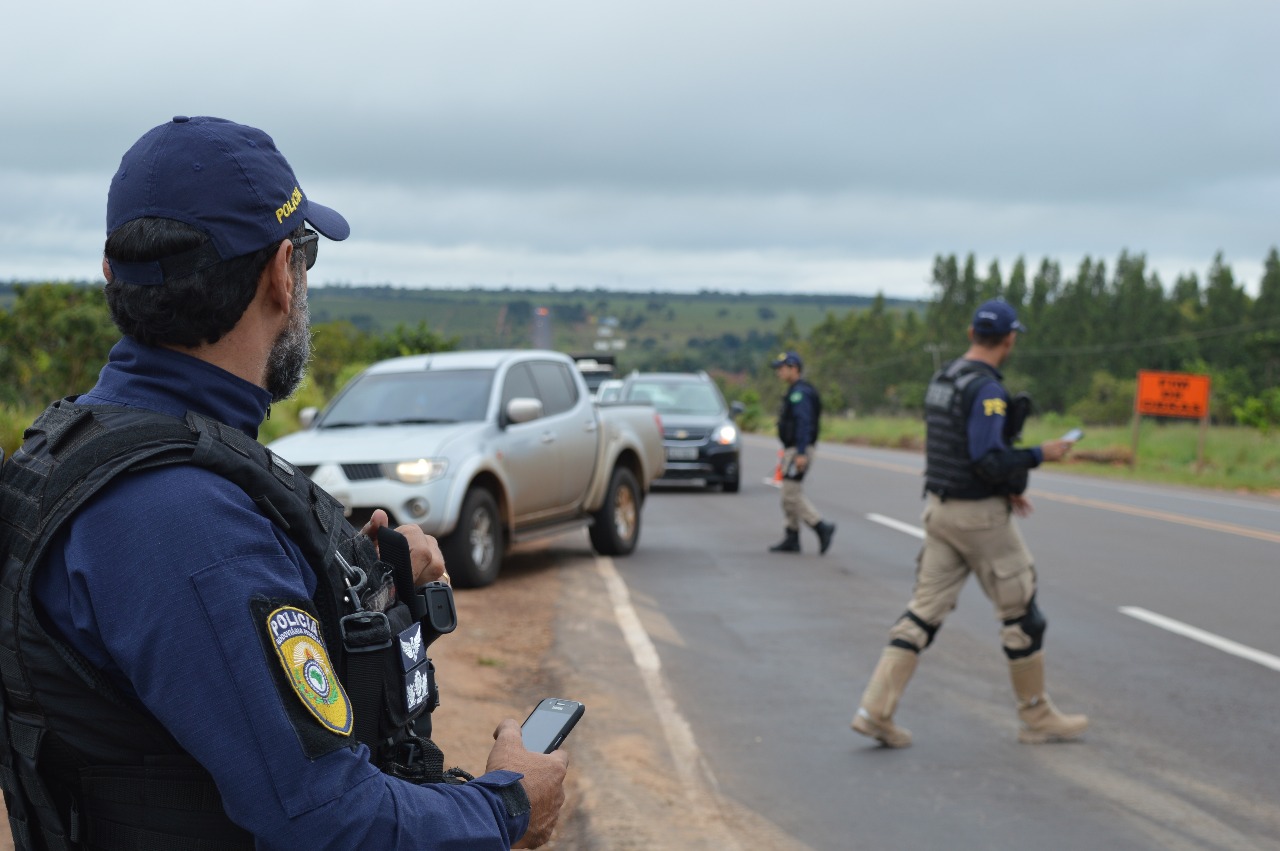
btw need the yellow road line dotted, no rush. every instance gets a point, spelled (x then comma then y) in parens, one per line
(1150, 514)
(1168, 517)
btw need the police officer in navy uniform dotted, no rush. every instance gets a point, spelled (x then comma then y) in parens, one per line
(975, 484)
(200, 651)
(799, 420)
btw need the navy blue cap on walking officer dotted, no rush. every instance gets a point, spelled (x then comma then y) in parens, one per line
(788, 358)
(996, 318)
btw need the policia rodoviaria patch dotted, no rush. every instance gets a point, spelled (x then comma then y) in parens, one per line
(313, 697)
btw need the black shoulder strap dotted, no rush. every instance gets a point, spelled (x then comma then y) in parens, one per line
(968, 380)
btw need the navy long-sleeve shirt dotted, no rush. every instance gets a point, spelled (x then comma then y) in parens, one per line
(799, 420)
(986, 428)
(152, 582)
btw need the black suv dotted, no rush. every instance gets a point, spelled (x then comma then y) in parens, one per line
(698, 431)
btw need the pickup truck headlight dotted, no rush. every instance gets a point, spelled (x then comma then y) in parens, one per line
(727, 434)
(416, 472)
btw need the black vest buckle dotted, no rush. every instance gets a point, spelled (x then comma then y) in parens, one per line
(365, 632)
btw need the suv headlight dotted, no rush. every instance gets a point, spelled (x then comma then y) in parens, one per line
(415, 472)
(727, 434)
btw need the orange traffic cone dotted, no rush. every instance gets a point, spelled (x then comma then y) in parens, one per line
(777, 471)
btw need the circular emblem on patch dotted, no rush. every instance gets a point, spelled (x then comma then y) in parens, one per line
(296, 637)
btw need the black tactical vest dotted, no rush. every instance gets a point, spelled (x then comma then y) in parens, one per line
(947, 402)
(787, 416)
(81, 764)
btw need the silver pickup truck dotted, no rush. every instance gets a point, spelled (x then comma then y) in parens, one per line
(483, 449)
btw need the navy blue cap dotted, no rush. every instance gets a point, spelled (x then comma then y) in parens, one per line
(788, 358)
(996, 317)
(225, 179)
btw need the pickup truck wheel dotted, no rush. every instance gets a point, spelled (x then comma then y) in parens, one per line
(731, 485)
(617, 524)
(473, 553)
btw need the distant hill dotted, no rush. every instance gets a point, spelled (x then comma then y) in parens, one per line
(582, 320)
(730, 331)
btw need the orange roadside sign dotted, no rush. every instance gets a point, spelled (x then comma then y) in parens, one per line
(1172, 394)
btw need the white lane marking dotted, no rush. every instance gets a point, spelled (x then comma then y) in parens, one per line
(1217, 642)
(896, 524)
(685, 755)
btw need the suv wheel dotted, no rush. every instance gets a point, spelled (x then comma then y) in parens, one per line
(473, 553)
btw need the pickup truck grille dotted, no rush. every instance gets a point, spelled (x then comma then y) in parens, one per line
(361, 472)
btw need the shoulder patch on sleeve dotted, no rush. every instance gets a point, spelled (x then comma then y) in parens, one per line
(313, 696)
(994, 407)
(796, 397)
(295, 634)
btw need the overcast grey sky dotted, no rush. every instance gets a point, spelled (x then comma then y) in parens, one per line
(790, 145)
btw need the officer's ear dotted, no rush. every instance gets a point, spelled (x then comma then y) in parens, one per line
(277, 277)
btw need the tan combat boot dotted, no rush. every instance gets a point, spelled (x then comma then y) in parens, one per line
(875, 711)
(1041, 720)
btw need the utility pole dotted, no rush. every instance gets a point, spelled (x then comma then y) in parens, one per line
(935, 349)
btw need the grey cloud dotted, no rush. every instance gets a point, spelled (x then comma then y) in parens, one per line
(695, 133)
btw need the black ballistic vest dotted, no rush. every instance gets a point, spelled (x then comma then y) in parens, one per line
(947, 401)
(787, 416)
(81, 764)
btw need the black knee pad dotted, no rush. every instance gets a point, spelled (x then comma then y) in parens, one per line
(929, 630)
(1032, 625)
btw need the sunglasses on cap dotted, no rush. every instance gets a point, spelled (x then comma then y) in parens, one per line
(309, 242)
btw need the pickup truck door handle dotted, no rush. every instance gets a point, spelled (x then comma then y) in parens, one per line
(589, 426)
(548, 437)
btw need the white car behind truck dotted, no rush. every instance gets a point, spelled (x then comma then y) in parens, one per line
(483, 449)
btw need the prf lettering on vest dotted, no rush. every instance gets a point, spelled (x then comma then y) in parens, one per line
(290, 206)
(993, 407)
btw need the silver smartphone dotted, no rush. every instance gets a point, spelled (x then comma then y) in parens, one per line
(1073, 435)
(549, 724)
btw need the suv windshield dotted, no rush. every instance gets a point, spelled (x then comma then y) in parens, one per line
(677, 397)
(447, 396)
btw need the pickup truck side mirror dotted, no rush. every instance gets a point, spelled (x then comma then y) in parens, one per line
(736, 408)
(522, 409)
(307, 417)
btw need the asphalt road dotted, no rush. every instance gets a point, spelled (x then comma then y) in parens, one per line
(1162, 627)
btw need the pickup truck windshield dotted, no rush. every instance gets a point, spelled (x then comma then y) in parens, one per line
(404, 398)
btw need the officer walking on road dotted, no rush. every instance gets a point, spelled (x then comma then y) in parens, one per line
(799, 420)
(200, 652)
(975, 483)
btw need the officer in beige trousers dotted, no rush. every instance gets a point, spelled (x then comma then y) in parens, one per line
(799, 421)
(975, 484)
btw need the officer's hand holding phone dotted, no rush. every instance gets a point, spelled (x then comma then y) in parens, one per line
(543, 779)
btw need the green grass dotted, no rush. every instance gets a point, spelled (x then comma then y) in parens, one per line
(1235, 458)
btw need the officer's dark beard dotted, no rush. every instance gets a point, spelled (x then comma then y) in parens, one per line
(287, 362)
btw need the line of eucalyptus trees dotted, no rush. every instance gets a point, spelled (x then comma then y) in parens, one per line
(1089, 333)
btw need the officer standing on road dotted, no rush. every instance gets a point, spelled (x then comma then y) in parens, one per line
(799, 419)
(975, 483)
(200, 651)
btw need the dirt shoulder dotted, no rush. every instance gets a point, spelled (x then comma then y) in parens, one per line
(548, 628)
